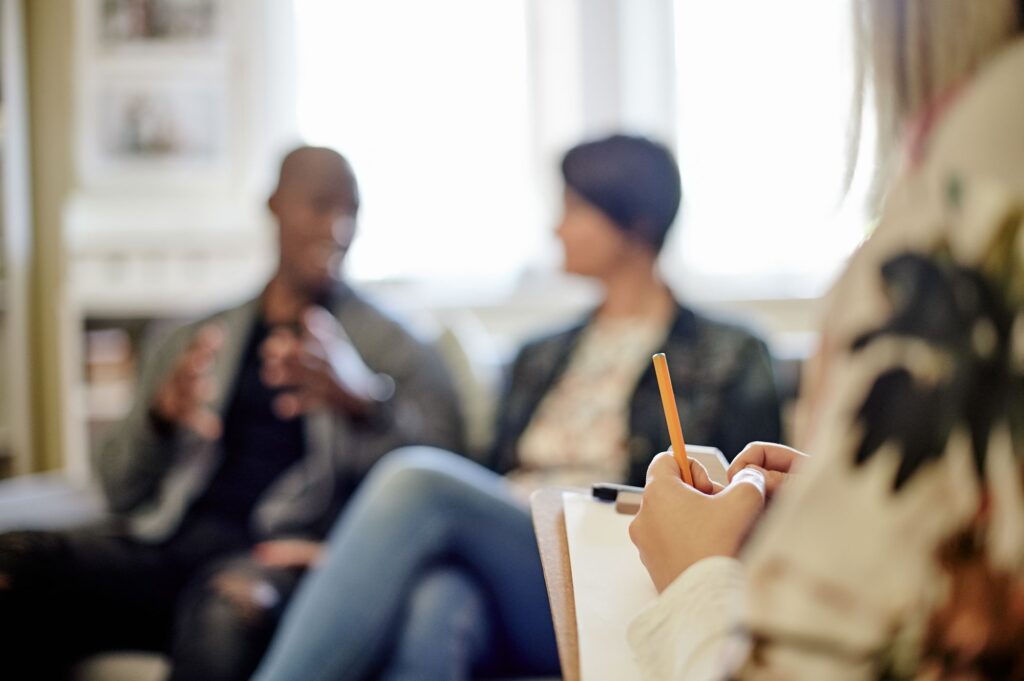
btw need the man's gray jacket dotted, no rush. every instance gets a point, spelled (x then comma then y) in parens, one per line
(151, 479)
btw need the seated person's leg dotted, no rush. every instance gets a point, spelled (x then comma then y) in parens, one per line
(25, 561)
(65, 595)
(225, 618)
(418, 507)
(445, 632)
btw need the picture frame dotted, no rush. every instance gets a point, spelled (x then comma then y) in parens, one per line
(134, 27)
(171, 130)
(155, 95)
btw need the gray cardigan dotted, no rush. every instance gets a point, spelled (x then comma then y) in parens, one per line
(150, 480)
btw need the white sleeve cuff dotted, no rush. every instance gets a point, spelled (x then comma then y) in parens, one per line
(693, 627)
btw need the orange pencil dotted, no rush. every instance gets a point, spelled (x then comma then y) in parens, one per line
(675, 428)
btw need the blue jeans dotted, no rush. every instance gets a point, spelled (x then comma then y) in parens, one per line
(446, 632)
(420, 509)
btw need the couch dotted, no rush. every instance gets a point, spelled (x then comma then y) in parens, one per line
(53, 500)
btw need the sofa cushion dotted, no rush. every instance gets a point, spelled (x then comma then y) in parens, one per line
(47, 501)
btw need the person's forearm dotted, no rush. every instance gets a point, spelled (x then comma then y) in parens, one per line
(132, 460)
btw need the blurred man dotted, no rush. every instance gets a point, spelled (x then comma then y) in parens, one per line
(252, 429)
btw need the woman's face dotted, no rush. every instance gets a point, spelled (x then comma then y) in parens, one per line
(593, 244)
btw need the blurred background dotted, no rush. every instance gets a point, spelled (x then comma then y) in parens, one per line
(140, 140)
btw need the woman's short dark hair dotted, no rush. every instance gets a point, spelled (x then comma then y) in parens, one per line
(633, 180)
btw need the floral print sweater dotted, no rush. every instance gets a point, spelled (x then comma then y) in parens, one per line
(897, 552)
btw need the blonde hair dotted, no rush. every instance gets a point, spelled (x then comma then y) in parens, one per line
(910, 52)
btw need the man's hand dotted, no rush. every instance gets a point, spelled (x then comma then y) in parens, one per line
(184, 397)
(678, 525)
(319, 368)
(288, 553)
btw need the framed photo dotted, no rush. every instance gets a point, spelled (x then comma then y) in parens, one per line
(167, 131)
(148, 25)
(154, 123)
(155, 82)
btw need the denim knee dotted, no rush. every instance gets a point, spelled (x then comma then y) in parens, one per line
(413, 476)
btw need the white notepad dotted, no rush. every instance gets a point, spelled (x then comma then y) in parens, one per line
(610, 584)
(712, 460)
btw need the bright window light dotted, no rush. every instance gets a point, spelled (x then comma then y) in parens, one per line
(429, 101)
(763, 93)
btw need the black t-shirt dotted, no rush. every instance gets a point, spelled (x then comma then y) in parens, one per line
(257, 445)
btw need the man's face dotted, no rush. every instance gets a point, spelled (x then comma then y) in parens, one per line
(316, 214)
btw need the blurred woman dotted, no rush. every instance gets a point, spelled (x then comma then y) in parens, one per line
(433, 572)
(898, 551)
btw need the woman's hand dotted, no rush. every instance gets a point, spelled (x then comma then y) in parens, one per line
(679, 525)
(777, 462)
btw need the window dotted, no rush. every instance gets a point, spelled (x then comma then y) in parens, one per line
(451, 110)
(763, 107)
(429, 101)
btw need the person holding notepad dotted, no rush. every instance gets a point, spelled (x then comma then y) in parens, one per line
(434, 572)
(897, 551)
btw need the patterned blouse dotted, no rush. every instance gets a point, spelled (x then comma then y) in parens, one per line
(898, 550)
(580, 430)
(722, 376)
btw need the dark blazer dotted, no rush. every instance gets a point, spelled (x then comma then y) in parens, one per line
(721, 373)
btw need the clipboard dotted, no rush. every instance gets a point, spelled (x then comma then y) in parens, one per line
(603, 523)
